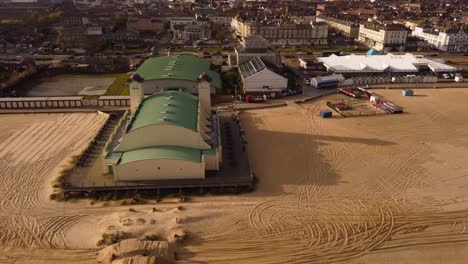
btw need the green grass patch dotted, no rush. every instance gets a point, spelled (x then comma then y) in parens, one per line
(186, 49)
(213, 49)
(321, 49)
(120, 86)
(123, 51)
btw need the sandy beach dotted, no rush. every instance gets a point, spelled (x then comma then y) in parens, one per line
(378, 189)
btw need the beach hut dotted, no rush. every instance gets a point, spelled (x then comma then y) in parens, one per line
(325, 114)
(407, 92)
(372, 52)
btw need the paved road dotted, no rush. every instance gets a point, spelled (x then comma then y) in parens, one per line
(420, 85)
(310, 92)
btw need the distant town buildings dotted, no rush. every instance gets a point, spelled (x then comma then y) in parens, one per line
(383, 37)
(180, 21)
(6, 47)
(146, 24)
(144, 27)
(280, 32)
(347, 28)
(256, 46)
(192, 32)
(451, 40)
(213, 15)
(96, 36)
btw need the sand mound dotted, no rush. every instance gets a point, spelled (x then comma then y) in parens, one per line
(129, 248)
(142, 260)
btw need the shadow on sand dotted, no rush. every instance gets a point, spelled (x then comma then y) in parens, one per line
(279, 159)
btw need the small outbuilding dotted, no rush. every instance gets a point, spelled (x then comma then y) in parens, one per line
(407, 92)
(326, 113)
(334, 80)
(260, 79)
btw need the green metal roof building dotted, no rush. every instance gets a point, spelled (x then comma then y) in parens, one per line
(167, 136)
(168, 107)
(182, 70)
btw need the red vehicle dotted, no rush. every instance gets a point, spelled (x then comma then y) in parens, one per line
(356, 92)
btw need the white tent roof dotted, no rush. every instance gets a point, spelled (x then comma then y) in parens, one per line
(379, 63)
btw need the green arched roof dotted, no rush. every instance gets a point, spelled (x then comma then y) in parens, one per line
(178, 67)
(166, 107)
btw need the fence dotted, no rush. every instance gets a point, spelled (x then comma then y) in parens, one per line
(41, 102)
(384, 80)
(114, 101)
(63, 102)
(80, 162)
(116, 129)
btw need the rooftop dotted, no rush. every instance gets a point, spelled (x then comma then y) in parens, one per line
(251, 67)
(340, 21)
(179, 67)
(240, 49)
(167, 108)
(380, 63)
(387, 27)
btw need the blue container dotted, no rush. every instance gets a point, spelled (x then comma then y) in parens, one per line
(325, 114)
(407, 92)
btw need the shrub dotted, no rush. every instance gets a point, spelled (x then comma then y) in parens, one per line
(153, 237)
(111, 238)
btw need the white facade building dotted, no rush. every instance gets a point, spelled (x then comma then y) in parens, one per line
(452, 40)
(180, 21)
(283, 33)
(383, 38)
(347, 28)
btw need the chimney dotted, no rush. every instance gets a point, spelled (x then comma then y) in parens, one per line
(204, 92)
(204, 99)
(137, 92)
